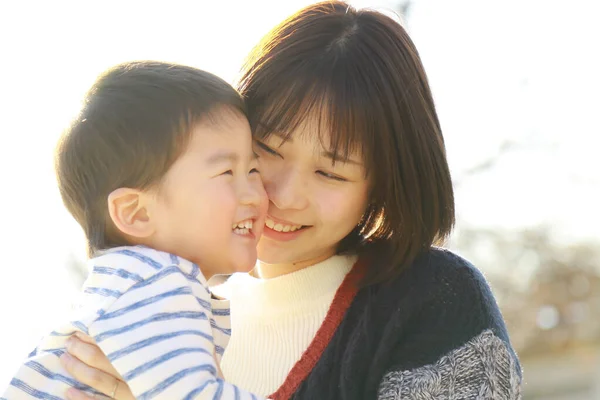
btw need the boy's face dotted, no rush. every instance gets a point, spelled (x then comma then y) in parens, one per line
(211, 206)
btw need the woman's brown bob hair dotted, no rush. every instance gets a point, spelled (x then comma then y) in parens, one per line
(360, 74)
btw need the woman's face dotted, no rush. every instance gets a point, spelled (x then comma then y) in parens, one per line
(314, 203)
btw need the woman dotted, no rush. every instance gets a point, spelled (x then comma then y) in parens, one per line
(351, 299)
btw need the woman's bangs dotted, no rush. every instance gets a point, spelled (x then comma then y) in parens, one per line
(339, 119)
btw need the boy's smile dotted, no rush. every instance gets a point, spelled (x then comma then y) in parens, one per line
(211, 206)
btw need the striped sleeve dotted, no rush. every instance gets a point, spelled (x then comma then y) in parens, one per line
(221, 325)
(158, 335)
(150, 313)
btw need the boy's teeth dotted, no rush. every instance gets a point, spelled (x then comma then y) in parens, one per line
(243, 225)
(281, 227)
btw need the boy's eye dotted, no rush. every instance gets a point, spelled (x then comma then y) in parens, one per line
(332, 177)
(228, 172)
(254, 171)
(267, 149)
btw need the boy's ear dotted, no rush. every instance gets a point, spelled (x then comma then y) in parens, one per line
(128, 210)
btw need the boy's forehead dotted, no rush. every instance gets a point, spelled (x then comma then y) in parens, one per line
(208, 135)
(223, 117)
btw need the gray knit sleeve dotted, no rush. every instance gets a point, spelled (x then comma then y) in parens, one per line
(484, 368)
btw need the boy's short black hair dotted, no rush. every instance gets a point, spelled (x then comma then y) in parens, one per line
(136, 121)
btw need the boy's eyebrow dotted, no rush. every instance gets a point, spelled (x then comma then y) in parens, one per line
(222, 156)
(227, 156)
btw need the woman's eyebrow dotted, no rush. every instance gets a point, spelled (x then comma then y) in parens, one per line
(331, 155)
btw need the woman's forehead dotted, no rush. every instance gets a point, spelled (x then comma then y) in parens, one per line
(314, 128)
(317, 122)
(316, 143)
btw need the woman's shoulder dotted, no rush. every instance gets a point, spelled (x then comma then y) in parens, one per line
(440, 274)
(443, 274)
(442, 290)
(457, 331)
(441, 265)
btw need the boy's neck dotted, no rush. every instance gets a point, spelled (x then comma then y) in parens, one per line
(268, 271)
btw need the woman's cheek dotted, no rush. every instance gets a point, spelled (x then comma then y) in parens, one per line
(344, 206)
(266, 173)
(334, 205)
(259, 187)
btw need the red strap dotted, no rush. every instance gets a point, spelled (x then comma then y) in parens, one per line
(340, 304)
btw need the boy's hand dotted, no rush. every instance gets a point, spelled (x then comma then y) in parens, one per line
(88, 364)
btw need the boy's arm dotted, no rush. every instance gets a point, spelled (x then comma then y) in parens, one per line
(158, 337)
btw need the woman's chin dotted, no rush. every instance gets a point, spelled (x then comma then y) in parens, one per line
(282, 257)
(272, 252)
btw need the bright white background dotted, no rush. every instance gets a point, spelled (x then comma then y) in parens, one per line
(519, 71)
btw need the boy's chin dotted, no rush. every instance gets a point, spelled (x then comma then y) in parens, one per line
(244, 264)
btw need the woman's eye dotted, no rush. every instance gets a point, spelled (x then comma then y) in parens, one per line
(254, 171)
(332, 177)
(228, 172)
(267, 149)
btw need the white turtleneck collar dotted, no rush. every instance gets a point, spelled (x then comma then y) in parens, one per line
(293, 291)
(273, 321)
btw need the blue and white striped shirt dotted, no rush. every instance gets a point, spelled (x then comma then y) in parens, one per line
(150, 313)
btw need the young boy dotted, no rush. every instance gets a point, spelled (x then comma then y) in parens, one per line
(159, 171)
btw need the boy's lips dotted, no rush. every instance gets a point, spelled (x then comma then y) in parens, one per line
(246, 228)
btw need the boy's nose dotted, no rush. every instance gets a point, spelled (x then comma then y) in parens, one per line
(254, 194)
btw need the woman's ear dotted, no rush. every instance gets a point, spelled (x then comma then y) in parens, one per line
(128, 210)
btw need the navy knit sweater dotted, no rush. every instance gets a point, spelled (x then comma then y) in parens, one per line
(434, 333)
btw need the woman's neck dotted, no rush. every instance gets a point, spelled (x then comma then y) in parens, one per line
(268, 271)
